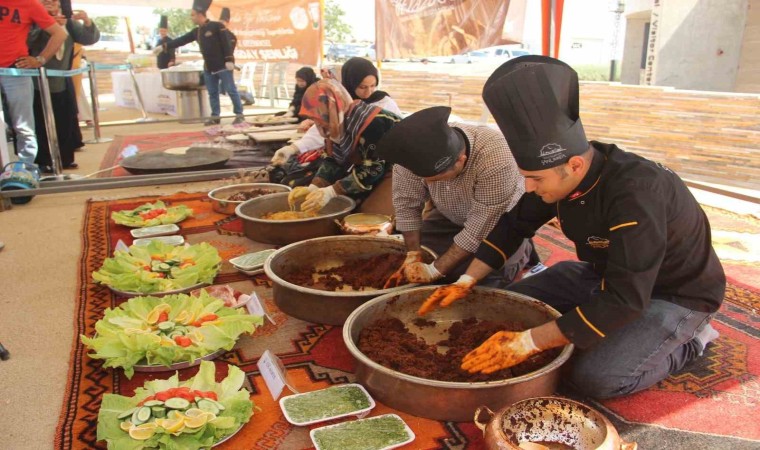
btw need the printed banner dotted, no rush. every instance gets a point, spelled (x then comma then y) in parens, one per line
(274, 30)
(420, 28)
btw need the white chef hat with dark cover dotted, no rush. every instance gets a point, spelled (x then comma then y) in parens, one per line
(423, 142)
(225, 15)
(164, 22)
(534, 100)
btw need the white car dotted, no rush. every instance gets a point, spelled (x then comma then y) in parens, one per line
(488, 54)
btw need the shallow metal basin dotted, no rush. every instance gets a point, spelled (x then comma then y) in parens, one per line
(182, 80)
(220, 195)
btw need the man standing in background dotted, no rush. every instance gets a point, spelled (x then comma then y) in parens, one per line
(224, 17)
(166, 59)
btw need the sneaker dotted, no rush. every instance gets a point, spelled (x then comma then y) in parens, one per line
(538, 268)
(20, 175)
(238, 119)
(211, 121)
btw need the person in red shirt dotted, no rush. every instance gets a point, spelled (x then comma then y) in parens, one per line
(16, 19)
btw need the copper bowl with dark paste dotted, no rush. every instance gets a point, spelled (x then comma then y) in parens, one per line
(225, 199)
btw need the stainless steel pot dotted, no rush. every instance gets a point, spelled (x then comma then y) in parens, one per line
(182, 80)
(282, 232)
(549, 420)
(363, 223)
(443, 400)
(219, 195)
(320, 306)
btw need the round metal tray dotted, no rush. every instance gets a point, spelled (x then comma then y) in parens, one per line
(129, 294)
(178, 366)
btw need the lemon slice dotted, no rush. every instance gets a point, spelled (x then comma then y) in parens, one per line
(125, 426)
(197, 422)
(184, 317)
(155, 312)
(172, 425)
(194, 412)
(196, 335)
(143, 432)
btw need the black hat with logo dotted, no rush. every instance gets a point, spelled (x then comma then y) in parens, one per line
(225, 15)
(424, 142)
(201, 6)
(534, 100)
(164, 22)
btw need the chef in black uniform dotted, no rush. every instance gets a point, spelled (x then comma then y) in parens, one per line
(165, 59)
(217, 57)
(224, 17)
(639, 302)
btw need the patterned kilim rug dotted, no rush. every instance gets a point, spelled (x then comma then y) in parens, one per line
(713, 404)
(156, 142)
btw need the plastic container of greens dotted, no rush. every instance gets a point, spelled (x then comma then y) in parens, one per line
(376, 433)
(251, 261)
(170, 240)
(158, 230)
(326, 404)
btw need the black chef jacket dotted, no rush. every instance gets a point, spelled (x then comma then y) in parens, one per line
(232, 38)
(214, 44)
(640, 227)
(167, 56)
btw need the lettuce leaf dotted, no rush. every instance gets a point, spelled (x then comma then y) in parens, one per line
(125, 338)
(237, 402)
(131, 218)
(131, 271)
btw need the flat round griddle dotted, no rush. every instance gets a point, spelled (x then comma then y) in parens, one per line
(195, 159)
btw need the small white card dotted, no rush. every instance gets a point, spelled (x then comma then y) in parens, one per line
(121, 246)
(274, 374)
(256, 307)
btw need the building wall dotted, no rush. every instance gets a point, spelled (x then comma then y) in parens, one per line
(630, 70)
(699, 44)
(748, 75)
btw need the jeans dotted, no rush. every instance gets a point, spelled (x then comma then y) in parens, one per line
(212, 81)
(19, 93)
(634, 357)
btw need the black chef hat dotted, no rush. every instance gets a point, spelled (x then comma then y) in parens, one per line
(201, 6)
(424, 142)
(534, 100)
(164, 22)
(225, 15)
(66, 9)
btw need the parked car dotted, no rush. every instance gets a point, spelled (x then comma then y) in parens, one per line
(342, 52)
(495, 54)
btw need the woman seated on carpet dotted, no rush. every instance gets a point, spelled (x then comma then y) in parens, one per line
(360, 78)
(350, 129)
(83, 31)
(305, 77)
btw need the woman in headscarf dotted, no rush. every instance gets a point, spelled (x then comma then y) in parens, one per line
(351, 129)
(360, 78)
(305, 77)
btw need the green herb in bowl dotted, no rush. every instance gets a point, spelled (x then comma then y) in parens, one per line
(326, 404)
(376, 433)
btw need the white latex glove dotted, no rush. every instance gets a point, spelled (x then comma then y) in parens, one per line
(298, 193)
(282, 155)
(229, 66)
(317, 200)
(158, 50)
(419, 272)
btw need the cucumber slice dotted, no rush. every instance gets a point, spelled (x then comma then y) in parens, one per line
(151, 403)
(166, 326)
(126, 413)
(159, 412)
(218, 405)
(208, 406)
(177, 403)
(141, 416)
(164, 267)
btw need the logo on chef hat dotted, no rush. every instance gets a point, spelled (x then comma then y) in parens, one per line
(551, 152)
(597, 242)
(442, 164)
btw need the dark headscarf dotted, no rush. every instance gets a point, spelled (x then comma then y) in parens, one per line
(354, 71)
(307, 74)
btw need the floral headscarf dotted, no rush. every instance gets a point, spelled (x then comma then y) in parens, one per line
(339, 118)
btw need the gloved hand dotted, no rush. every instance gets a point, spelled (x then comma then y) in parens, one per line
(420, 272)
(317, 200)
(398, 278)
(229, 66)
(501, 351)
(158, 50)
(446, 295)
(304, 126)
(299, 193)
(282, 155)
(289, 112)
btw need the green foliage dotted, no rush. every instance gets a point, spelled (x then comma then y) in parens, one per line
(179, 20)
(108, 24)
(596, 72)
(336, 29)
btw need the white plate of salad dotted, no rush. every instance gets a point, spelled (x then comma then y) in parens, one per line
(169, 414)
(151, 214)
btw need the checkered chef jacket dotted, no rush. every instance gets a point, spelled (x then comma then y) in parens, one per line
(489, 186)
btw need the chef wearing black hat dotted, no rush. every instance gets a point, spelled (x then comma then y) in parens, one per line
(471, 178)
(639, 302)
(224, 17)
(165, 59)
(217, 57)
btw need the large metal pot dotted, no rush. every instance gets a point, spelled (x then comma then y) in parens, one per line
(549, 420)
(182, 80)
(282, 232)
(363, 223)
(219, 196)
(328, 307)
(443, 400)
